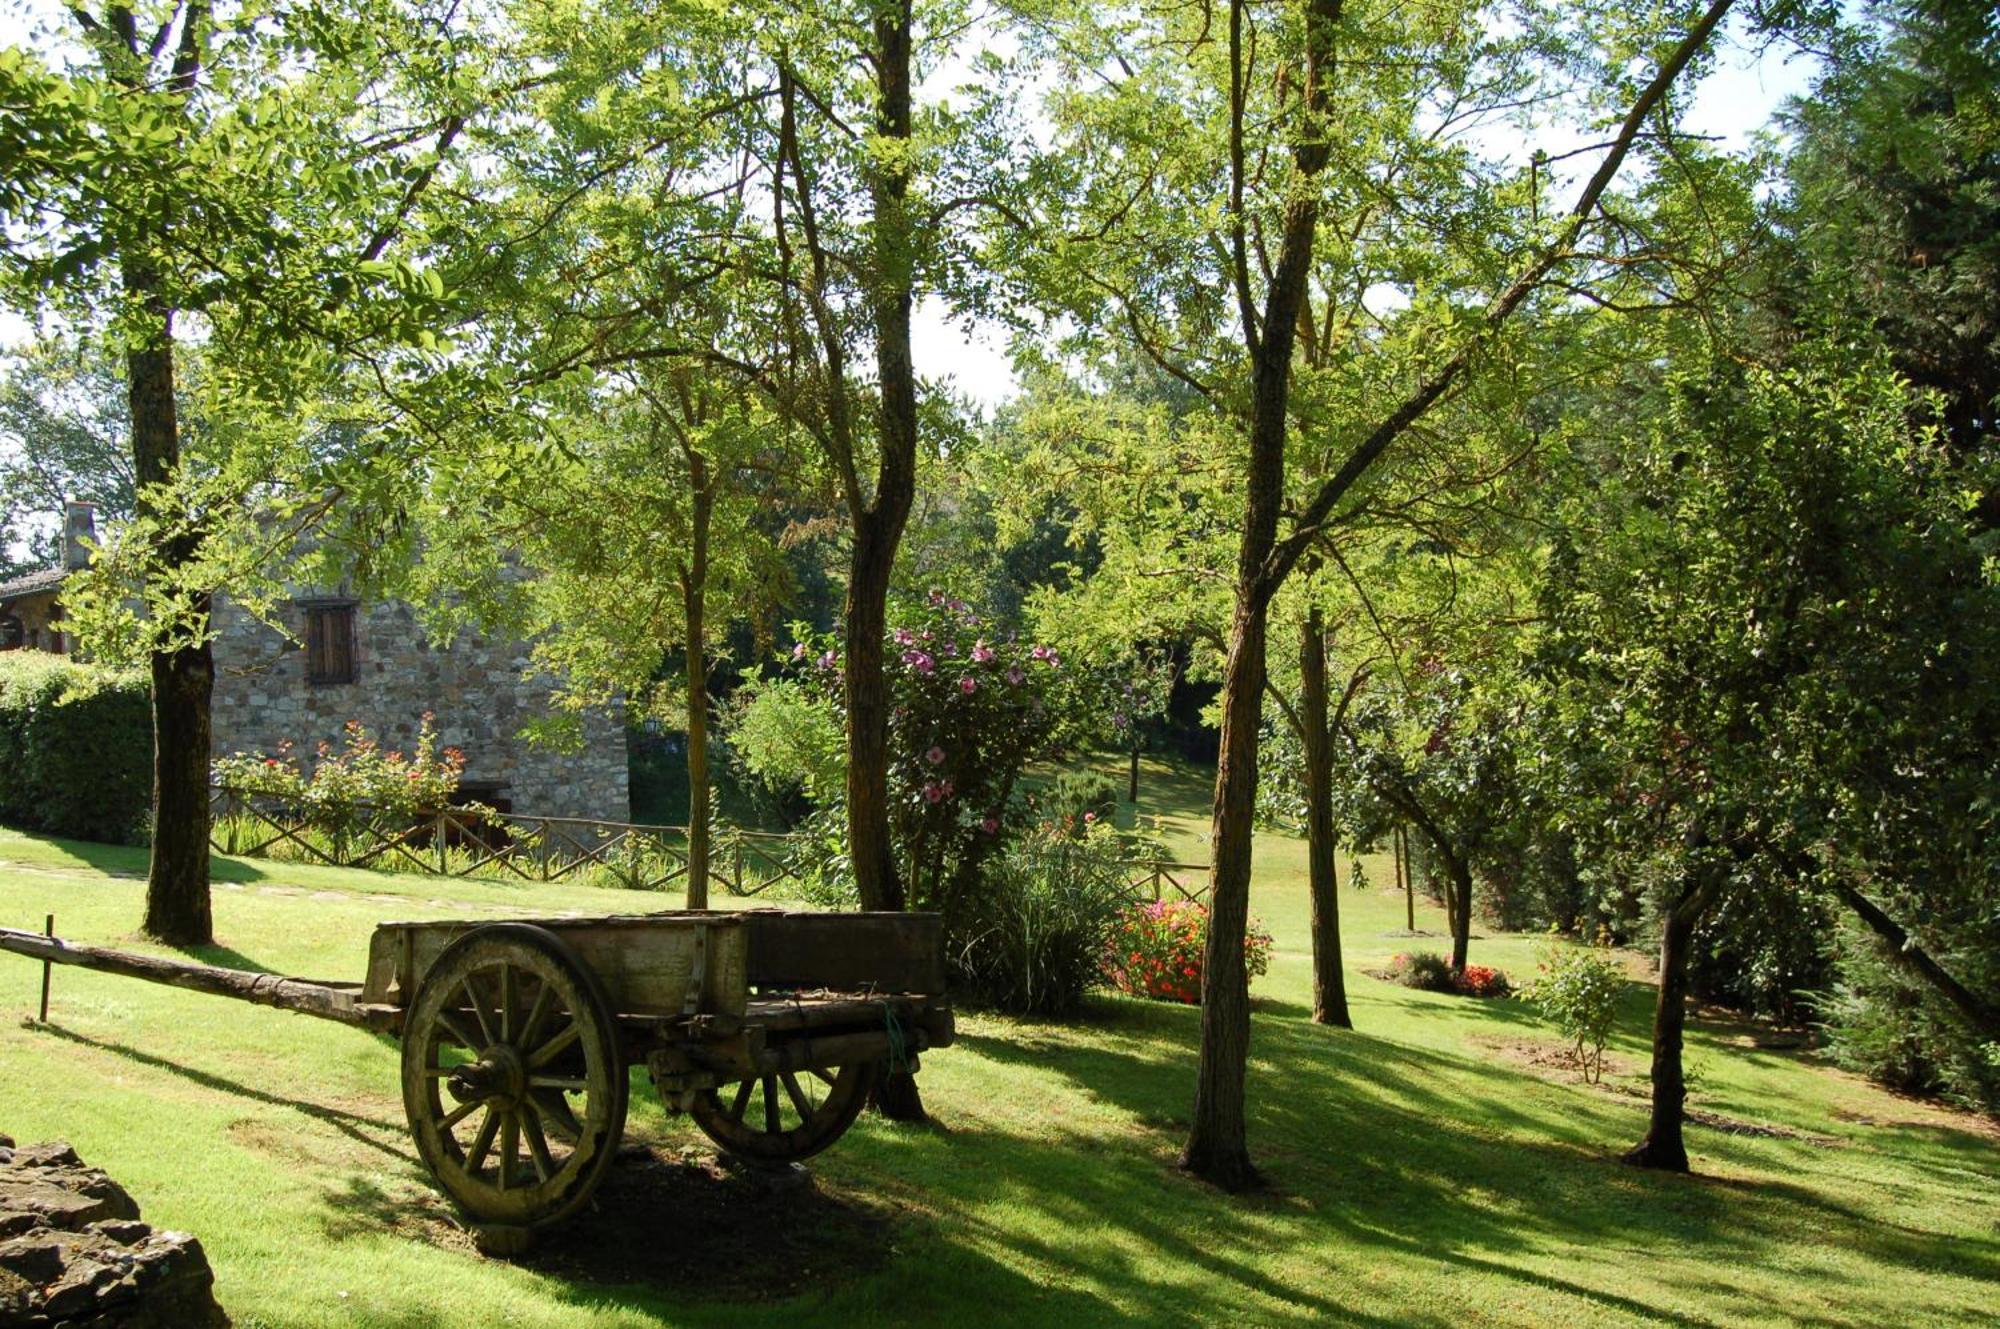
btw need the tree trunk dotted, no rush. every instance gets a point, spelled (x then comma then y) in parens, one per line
(1329, 983)
(1663, 1147)
(694, 602)
(875, 538)
(1460, 888)
(1217, 1148)
(1132, 790)
(177, 886)
(1400, 843)
(177, 897)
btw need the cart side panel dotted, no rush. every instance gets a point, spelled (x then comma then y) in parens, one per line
(646, 963)
(879, 952)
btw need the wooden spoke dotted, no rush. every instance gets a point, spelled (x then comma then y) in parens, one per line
(551, 1067)
(482, 1143)
(797, 1095)
(449, 1024)
(765, 1137)
(548, 1051)
(555, 1114)
(538, 1144)
(531, 1028)
(458, 1114)
(510, 1145)
(478, 1012)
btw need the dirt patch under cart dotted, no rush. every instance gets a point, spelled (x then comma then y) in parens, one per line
(683, 1221)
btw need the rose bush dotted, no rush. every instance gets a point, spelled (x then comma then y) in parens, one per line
(348, 789)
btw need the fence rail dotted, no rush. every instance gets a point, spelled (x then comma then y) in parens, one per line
(1155, 881)
(459, 842)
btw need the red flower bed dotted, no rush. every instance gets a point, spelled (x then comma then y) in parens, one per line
(1155, 950)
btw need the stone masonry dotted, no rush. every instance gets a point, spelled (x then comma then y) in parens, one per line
(73, 1254)
(265, 693)
(474, 687)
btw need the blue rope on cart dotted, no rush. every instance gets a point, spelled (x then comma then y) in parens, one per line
(899, 1058)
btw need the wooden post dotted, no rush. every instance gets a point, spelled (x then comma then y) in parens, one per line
(48, 930)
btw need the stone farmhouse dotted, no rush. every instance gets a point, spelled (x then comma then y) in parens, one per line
(342, 658)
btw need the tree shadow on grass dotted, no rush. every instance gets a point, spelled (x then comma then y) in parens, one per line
(1431, 1156)
(385, 1137)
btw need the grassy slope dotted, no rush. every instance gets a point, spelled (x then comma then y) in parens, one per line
(1423, 1174)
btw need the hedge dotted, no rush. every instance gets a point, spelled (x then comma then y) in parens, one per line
(76, 748)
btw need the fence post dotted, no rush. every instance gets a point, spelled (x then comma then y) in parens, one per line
(48, 930)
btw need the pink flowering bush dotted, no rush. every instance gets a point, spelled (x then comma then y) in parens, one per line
(348, 788)
(1155, 950)
(970, 706)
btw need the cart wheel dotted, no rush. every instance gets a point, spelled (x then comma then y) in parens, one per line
(786, 1116)
(513, 1078)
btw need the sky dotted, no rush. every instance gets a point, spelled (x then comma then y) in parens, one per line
(1738, 99)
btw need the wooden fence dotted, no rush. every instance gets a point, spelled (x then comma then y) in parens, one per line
(1154, 880)
(458, 842)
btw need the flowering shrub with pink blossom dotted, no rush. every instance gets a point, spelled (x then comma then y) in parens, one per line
(1156, 949)
(346, 788)
(970, 706)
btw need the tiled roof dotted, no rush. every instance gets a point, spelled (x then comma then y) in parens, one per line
(34, 583)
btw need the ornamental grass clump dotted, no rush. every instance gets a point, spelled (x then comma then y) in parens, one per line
(1156, 950)
(1427, 971)
(1032, 940)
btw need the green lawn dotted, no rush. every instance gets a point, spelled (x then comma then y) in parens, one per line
(1424, 1170)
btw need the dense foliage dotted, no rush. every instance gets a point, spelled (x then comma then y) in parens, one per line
(1033, 939)
(75, 748)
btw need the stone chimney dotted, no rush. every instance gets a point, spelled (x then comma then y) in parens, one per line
(79, 526)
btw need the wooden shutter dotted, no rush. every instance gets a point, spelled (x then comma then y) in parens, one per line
(330, 644)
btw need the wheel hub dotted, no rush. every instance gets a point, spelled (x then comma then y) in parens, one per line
(499, 1073)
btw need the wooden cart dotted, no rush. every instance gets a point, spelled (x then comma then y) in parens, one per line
(768, 1028)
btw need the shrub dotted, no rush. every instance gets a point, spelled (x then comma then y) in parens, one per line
(1426, 971)
(1079, 798)
(1889, 1026)
(347, 790)
(1478, 980)
(1032, 941)
(969, 708)
(1156, 950)
(1576, 988)
(76, 748)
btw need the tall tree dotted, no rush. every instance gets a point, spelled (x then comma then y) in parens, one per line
(244, 173)
(1261, 102)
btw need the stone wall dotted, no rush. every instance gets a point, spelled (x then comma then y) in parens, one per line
(474, 687)
(73, 1254)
